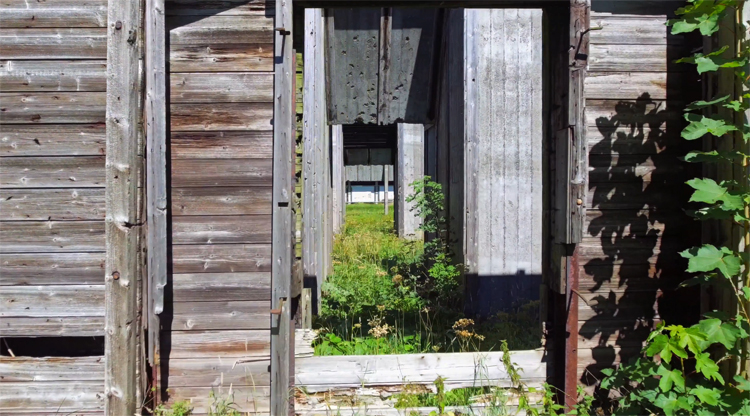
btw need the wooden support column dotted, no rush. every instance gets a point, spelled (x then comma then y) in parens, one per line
(282, 351)
(156, 175)
(338, 181)
(385, 189)
(409, 168)
(123, 121)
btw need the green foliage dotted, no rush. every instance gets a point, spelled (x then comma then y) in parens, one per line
(678, 371)
(180, 408)
(222, 406)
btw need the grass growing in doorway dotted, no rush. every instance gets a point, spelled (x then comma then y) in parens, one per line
(381, 298)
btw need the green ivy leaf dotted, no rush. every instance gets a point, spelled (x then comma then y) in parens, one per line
(669, 403)
(708, 367)
(659, 345)
(670, 378)
(746, 292)
(693, 339)
(708, 258)
(741, 383)
(714, 156)
(706, 395)
(701, 125)
(697, 105)
(720, 332)
(710, 192)
(735, 105)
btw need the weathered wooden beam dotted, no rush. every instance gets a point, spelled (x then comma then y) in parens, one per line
(156, 174)
(282, 252)
(337, 176)
(123, 120)
(409, 168)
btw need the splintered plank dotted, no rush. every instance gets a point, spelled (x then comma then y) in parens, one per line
(52, 172)
(69, 326)
(221, 201)
(52, 301)
(53, 43)
(220, 57)
(221, 87)
(217, 372)
(221, 229)
(58, 13)
(51, 269)
(193, 316)
(221, 116)
(28, 369)
(51, 236)
(53, 140)
(218, 287)
(39, 76)
(219, 29)
(75, 397)
(188, 173)
(222, 145)
(53, 107)
(246, 344)
(224, 258)
(52, 204)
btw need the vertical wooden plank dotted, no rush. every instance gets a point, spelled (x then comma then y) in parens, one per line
(337, 176)
(282, 248)
(470, 155)
(156, 173)
(386, 186)
(123, 119)
(410, 168)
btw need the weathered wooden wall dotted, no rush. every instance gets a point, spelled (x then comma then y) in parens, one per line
(216, 331)
(52, 149)
(635, 224)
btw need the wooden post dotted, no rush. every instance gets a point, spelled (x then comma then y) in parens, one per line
(283, 182)
(410, 167)
(385, 186)
(123, 117)
(338, 180)
(156, 174)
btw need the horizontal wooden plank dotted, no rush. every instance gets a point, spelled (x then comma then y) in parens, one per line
(217, 372)
(630, 196)
(633, 111)
(51, 269)
(69, 326)
(53, 140)
(221, 201)
(221, 57)
(636, 58)
(221, 230)
(622, 333)
(316, 374)
(221, 87)
(646, 30)
(221, 8)
(611, 137)
(640, 251)
(218, 287)
(219, 29)
(638, 223)
(246, 344)
(64, 398)
(53, 43)
(39, 76)
(221, 258)
(59, 369)
(250, 400)
(53, 301)
(221, 145)
(631, 85)
(53, 107)
(52, 172)
(645, 169)
(51, 236)
(221, 116)
(190, 173)
(58, 13)
(52, 204)
(600, 275)
(199, 316)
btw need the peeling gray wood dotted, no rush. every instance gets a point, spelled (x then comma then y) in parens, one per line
(51, 269)
(60, 369)
(52, 204)
(124, 35)
(45, 326)
(52, 301)
(57, 108)
(504, 156)
(409, 168)
(53, 140)
(36, 76)
(215, 287)
(52, 172)
(51, 236)
(60, 43)
(65, 13)
(216, 372)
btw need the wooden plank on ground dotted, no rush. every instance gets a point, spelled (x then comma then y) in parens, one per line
(52, 172)
(216, 287)
(40, 76)
(221, 57)
(244, 344)
(222, 145)
(221, 258)
(214, 316)
(221, 87)
(51, 269)
(246, 229)
(219, 30)
(51, 236)
(52, 140)
(221, 116)
(52, 204)
(221, 201)
(59, 13)
(460, 370)
(52, 301)
(59, 43)
(69, 326)
(55, 369)
(52, 107)
(216, 372)
(188, 173)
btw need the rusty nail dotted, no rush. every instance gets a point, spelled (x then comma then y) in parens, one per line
(275, 311)
(116, 275)
(579, 201)
(118, 25)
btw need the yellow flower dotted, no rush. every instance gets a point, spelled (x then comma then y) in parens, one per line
(358, 325)
(381, 308)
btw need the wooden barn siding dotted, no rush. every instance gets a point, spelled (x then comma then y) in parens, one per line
(52, 143)
(217, 333)
(635, 224)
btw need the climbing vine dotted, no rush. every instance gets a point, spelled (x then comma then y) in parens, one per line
(680, 368)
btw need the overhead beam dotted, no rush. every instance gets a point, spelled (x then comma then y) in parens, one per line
(123, 119)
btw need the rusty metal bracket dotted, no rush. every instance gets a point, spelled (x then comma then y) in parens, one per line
(283, 31)
(278, 310)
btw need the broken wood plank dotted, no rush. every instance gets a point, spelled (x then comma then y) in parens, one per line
(230, 315)
(51, 236)
(222, 145)
(52, 172)
(51, 269)
(52, 140)
(198, 173)
(220, 57)
(221, 258)
(221, 201)
(247, 229)
(215, 287)
(41, 76)
(221, 116)
(219, 87)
